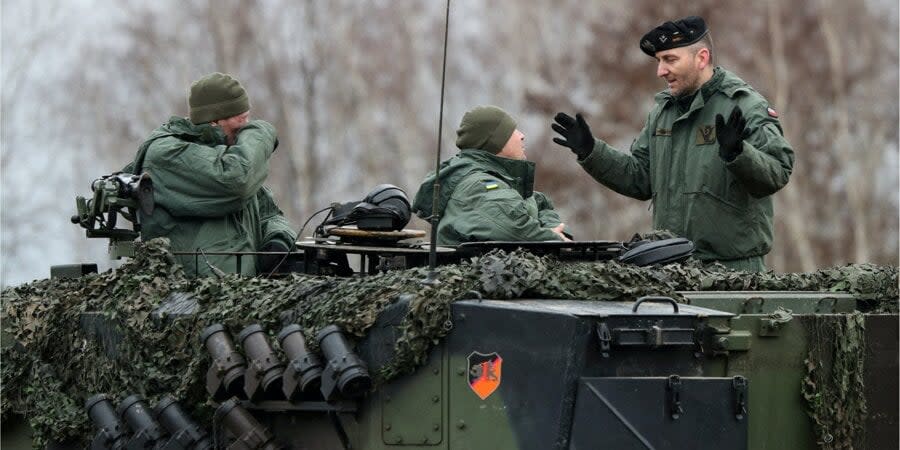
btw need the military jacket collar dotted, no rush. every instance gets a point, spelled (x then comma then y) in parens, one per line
(518, 174)
(204, 134)
(729, 85)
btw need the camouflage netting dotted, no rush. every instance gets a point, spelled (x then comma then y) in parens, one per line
(833, 387)
(55, 364)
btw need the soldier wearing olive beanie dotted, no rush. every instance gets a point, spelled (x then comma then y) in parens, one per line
(487, 190)
(208, 171)
(217, 96)
(485, 128)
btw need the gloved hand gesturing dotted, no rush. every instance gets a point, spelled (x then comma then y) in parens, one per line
(575, 132)
(731, 134)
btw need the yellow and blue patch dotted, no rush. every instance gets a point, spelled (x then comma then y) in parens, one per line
(490, 185)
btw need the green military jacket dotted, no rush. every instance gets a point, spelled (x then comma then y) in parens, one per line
(724, 207)
(210, 196)
(485, 197)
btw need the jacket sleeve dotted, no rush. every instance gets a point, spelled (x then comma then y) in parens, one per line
(497, 214)
(547, 216)
(196, 180)
(767, 160)
(273, 224)
(626, 174)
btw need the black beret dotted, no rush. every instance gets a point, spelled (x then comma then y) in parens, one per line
(674, 34)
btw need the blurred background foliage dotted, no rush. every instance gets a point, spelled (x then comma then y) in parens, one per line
(353, 87)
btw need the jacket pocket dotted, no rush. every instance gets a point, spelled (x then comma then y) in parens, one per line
(720, 228)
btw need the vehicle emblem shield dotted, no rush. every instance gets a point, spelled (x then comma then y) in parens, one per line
(484, 373)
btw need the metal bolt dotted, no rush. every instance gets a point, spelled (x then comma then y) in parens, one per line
(436, 371)
(387, 398)
(435, 427)
(461, 371)
(461, 425)
(387, 427)
(435, 399)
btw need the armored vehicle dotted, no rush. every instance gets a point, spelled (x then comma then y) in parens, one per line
(507, 345)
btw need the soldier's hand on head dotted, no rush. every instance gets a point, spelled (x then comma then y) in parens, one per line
(731, 134)
(575, 132)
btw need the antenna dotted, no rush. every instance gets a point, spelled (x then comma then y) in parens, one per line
(431, 279)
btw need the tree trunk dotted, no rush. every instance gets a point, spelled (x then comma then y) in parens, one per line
(795, 213)
(845, 150)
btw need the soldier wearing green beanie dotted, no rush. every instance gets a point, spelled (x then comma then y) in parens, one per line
(487, 188)
(217, 96)
(219, 100)
(208, 172)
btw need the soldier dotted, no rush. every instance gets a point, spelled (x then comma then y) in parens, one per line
(487, 188)
(208, 172)
(709, 157)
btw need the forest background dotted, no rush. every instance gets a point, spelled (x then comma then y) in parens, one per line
(353, 87)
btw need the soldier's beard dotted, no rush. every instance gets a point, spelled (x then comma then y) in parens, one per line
(691, 84)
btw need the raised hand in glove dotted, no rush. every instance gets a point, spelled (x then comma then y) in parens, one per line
(575, 132)
(731, 134)
(269, 263)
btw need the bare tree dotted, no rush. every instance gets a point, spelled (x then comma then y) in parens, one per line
(353, 89)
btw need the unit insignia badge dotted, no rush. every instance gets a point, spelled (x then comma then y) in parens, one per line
(706, 134)
(484, 373)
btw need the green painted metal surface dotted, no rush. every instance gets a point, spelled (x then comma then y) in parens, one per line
(758, 302)
(774, 365)
(413, 407)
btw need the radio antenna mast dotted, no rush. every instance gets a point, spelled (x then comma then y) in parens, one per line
(431, 279)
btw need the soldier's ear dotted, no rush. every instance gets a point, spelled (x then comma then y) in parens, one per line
(704, 57)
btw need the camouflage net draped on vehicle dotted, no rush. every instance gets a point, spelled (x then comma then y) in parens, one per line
(833, 387)
(60, 357)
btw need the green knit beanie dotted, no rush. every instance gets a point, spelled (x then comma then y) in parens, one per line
(485, 128)
(217, 96)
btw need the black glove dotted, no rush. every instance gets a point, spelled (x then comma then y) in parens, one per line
(576, 132)
(268, 263)
(731, 134)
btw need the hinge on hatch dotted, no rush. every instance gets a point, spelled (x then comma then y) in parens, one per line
(673, 389)
(605, 338)
(739, 387)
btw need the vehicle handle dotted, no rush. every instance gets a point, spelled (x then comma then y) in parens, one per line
(655, 299)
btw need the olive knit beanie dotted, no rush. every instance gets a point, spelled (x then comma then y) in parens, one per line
(485, 128)
(217, 96)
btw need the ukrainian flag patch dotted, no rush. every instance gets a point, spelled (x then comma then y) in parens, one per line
(491, 185)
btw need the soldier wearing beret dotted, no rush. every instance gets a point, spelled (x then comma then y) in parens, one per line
(208, 172)
(487, 188)
(709, 157)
